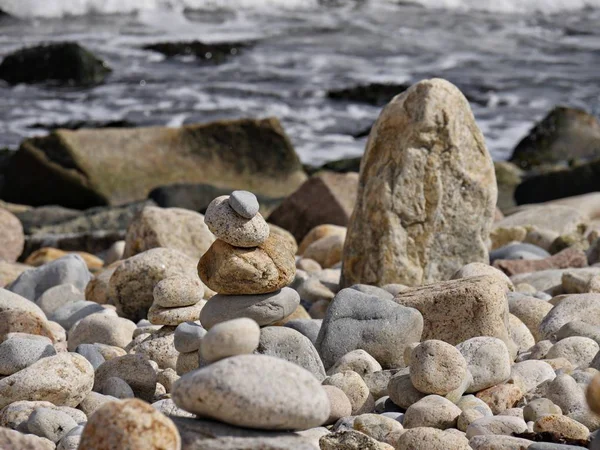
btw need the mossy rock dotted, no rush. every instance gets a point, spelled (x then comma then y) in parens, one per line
(62, 62)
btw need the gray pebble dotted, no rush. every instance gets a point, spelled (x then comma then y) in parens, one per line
(188, 336)
(70, 313)
(244, 203)
(91, 353)
(18, 353)
(58, 296)
(71, 440)
(519, 251)
(373, 290)
(308, 327)
(50, 424)
(118, 388)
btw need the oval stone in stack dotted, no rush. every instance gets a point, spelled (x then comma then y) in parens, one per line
(244, 203)
(177, 299)
(233, 228)
(233, 270)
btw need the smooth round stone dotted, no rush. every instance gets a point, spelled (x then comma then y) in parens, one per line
(178, 291)
(93, 401)
(519, 251)
(188, 336)
(264, 309)
(477, 269)
(167, 377)
(136, 370)
(528, 375)
(593, 394)
(580, 351)
(377, 426)
(538, 408)
(129, 424)
(520, 334)
(18, 353)
(63, 379)
(244, 203)
(402, 392)
(70, 313)
(432, 411)
(103, 329)
(308, 327)
(488, 360)
(501, 397)
(339, 403)
(158, 315)
(58, 296)
(358, 361)
(50, 423)
(254, 391)
(491, 442)
(230, 227)
(505, 425)
(425, 438)
(118, 388)
(231, 338)
(91, 353)
(355, 389)
(566, 394)
(437, 367)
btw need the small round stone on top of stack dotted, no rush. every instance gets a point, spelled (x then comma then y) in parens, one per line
(247, 266)
(177, 300)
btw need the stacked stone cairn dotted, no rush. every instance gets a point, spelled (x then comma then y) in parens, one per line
(249, 267)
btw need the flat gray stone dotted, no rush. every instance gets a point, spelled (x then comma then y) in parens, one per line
(91, 353)
(264, 309)
(291, 345)
(50, 423)
(188, 336)
(373, 290)
(381, 327)
(68, 314)
(244, 203)
(519, 251)
(135, 370)
(18, 353)
(70, 269)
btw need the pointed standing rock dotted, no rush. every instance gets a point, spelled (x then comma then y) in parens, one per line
(427, 192)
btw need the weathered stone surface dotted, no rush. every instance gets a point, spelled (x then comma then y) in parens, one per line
(128, 162)
(290, 345)
(355, 389)
(174, 228)
(64, 379)
(499, 442)
(129, 424)
(561, 425)
(70, 269)
(178, 291)
(427, 192)
(326, 198)
(135, 370)
(158, 315)
(569, 257)
(264, 309)
(12, 238)
(233, 337)
(350, 440)
(356, 320)
(437, 367)
(496, 425)
(579, 350)
(454, 311)
(427, 438)
(132, 284)
(18, 353)
(231, 270)
(50, 423)
(501, 397)
(432, 411)
(9, 272)
(254, 391)
(488, 361)
(530, 310)
(528, 375)
(480, 269)
(520, 334)
(358, 361)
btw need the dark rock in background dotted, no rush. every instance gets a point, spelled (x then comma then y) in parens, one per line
(209, 53)
(564, 134)
(62, 62)
(376, 94)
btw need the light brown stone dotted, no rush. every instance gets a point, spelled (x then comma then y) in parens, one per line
(231, 270)
(12, 239)
(427, 192)
(318, 232)
(47, 254)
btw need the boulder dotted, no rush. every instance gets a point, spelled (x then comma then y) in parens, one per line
(61, 62)
(174, 228)
(457, 310)
(427, 192)
(326, 198)
(127, 163)
(564, 134)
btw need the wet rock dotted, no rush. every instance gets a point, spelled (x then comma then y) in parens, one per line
(211, 53)
(124, 154)
(61, 62)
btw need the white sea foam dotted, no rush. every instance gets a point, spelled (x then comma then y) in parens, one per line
(60, 8)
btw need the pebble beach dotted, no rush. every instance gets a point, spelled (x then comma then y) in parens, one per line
(199, 287)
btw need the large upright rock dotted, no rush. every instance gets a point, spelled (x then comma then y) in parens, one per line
(91, 167)
(427, 192)
(326, 198)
